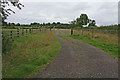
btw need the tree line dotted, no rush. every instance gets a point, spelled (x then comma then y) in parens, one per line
(81, 22)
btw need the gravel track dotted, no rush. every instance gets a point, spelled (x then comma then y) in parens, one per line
(80, 60)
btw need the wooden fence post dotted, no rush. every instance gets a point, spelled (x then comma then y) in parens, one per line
(71, 31)
(11, 34)
(23, 32)
(17, 32)
(26, 31)
(30, 31)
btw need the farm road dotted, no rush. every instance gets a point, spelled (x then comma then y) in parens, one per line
(80, 60)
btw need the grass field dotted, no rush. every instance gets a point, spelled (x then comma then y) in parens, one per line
(105, 41)
(29, 54)
(7, 36)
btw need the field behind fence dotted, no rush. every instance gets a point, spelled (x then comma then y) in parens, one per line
(108, 36)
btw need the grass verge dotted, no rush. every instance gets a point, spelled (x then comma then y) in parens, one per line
(108, 47)
(30, 54)
(107, 42)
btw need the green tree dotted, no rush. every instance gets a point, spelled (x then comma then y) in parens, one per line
(5, 11)
(48, 24)
(58, 23)
(12, 24)
(5, 24)
(18, 24)
(43, 24)
(92, 23)
(83, 20)
(73, 23)
(54, 23)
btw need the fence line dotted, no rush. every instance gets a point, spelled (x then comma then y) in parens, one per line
(99, 30)
(12, 34)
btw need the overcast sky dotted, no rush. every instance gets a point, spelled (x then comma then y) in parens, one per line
(104, 12)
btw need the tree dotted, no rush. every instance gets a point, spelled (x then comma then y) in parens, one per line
(83, 20)
(73, 23)
(48, 24)
(54, 23)
(8, 24)
(12, 24)
(18, 24)
(43, 24)
(5, 11)
(92, 23)
(4, 24)
(58, 23)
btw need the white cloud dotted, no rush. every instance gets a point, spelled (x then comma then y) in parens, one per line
(69, 0)
(103, 12)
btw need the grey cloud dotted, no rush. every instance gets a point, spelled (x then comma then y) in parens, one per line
(103, 13)
(119, 12)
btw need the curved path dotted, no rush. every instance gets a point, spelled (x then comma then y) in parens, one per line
(80, 60)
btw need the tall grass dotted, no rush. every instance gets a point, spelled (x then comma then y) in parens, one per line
(30, 54)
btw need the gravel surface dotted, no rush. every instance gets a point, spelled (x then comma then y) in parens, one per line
(80, 60)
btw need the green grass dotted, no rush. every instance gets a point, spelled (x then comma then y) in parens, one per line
(7, 42)
(30, 54)
(65, 38)
(107, 42)
(108, 47)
